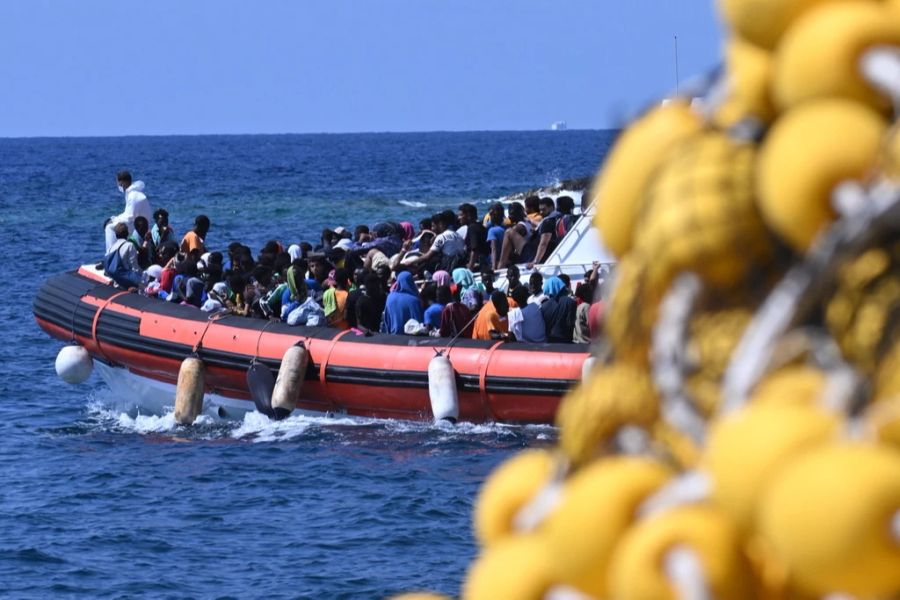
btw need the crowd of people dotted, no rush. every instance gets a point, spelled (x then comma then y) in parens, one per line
(390, 278)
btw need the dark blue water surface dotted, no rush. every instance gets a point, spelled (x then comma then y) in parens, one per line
(99, 504)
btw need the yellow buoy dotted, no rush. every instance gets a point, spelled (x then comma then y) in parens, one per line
(291, 375)
(510, 487)
(515, 568)
(613, 396)
(808, 152)
(763, 22)
(630, 164)
(189, 391)
(598, 504)
(749, 77)
(828, 517)
(819, 56)
(747, 448)
(642, 568)
(794, 384)
(700, 214)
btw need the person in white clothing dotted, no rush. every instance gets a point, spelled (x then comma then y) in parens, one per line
(136, 204)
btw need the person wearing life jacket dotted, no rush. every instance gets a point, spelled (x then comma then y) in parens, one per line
(136, 204)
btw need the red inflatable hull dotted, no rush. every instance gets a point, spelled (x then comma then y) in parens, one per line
(384, 376)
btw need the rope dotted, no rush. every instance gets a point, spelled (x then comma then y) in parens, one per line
(103, 306)
(213, 317)
(258, 340)
(452, 341)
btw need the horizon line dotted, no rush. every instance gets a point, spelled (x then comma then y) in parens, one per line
(385, 132)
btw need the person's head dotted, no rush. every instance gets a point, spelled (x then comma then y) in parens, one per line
(272, 247)
(141, 225)
(121, 231)
(532, 204)
(282, 262)
(428, 294)
(161, 217)
(123, 179)
(467, 213)
(535, 283)
(565, 205)
(166, 251)
(512, 276)
(342, 279)
(215, 258)
(374, 287)
(438, 225)
(498, 299)
(487, 277)
(496, 212)
(443, 295)
(263, 276)
(425, 224)
(425, 241)
(566, 280)
(201, 225)
(234, 249)
(585, 292)
(450, 221)
(516, 212)
(546, 206)
(361, 234)
(383, 272)
(319, 267)
(520, 295)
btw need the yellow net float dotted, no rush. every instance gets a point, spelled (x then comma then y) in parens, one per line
(613, 396)
(598, 504)
(746, 448)
(508, 488)
(808, 152)
(762, 22)
(636, 155)
(645, 565)
(749, 76)
(831, 517)
(820, 55)
(515, 568)
(700, 214)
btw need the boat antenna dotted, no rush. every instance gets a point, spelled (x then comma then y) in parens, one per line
(676, 64)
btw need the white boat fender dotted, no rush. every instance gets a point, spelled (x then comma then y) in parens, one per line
(291, 374)
(189, 391)
(442, 389)
(74, 364)
(586, 367)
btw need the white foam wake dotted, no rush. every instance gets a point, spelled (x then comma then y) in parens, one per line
(412, 203)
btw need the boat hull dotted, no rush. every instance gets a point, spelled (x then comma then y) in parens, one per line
(144, 340)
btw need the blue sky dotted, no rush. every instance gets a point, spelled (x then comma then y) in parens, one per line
(104, 67)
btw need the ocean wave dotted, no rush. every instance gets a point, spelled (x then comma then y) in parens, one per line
(412, 203)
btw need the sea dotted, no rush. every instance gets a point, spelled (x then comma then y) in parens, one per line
(95, 503)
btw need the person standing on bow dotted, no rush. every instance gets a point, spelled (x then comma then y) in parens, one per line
(136, 204)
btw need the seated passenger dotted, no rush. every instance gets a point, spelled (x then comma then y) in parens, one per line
(536, 288)
(491, 322)
(370, 305)
(435, 298)
(516, 237)
(584, 296)
(195, 238)
(335, 300)
(402, 305)
(217, 300)
(121, 262)
(448, 249)
(478, 251)
(525, 321)
(296, 292)
(558, 311)
(545, 240)
(161, 232)
(457, 319)
(140, 237)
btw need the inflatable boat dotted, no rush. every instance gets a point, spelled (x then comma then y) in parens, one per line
(139, 345)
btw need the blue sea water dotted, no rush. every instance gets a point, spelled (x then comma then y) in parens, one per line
(94, 503)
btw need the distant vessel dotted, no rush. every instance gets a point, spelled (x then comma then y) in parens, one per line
(558, 126)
